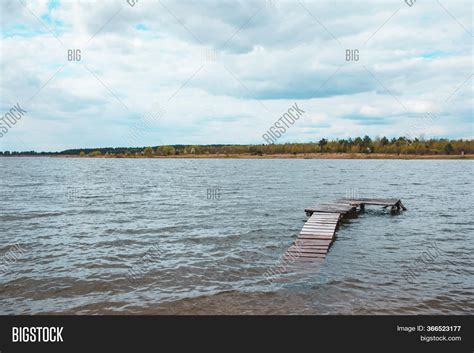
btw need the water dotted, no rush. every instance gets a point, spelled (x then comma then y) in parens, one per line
(71, 229)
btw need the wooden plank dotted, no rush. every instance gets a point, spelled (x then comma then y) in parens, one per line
(308, 250)
(298, 247)
(316, 232)
(319, 242)
(307, 232)
(319, 226)
(318, 246)
(331, 239)
(305, 255)
(295, 253)
(331, 223)
(315, 224)
(332, 216)
(315, 237)
(321, 213)
(323, 226)
(328, 210)
(304, 248)
(310, 239)
(321, 246)
(327, 215)
(323, 219)
(316, 228)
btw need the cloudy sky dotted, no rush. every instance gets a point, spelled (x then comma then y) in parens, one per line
(201, 72)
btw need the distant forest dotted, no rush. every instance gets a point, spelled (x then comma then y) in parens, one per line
(397, 146)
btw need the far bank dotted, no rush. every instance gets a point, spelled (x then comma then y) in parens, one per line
(284, 156)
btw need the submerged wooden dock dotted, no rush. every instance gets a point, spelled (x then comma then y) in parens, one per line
(319, 231)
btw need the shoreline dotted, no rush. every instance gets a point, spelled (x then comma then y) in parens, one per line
(272, 156)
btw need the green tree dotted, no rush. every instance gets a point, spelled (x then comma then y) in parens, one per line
(166, 150)
(398, 145)
(322, 143)
(148, 151)
(95, 154)
(367, 144)
(448, 148)
(359, 143)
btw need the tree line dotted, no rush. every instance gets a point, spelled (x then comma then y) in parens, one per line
(383, 145)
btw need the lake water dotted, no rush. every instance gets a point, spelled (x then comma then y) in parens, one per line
(199, 234)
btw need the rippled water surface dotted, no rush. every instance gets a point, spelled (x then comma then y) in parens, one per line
(71, 230)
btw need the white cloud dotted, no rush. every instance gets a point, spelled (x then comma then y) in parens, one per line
(267, 58)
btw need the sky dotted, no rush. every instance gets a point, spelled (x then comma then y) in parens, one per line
(149, 72)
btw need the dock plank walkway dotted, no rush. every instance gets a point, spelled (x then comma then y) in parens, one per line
(319, 231)
(316, 236)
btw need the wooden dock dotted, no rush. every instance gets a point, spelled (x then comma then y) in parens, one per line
(319, 231)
